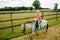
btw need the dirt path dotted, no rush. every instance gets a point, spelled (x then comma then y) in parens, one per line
(52, 34)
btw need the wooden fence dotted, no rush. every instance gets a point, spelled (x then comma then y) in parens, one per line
(11, 18)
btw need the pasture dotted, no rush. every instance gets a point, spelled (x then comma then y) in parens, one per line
(52, 34)
(7, 33)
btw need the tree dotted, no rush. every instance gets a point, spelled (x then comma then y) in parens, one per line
(31, 8)
(36, 4)
(55, 6)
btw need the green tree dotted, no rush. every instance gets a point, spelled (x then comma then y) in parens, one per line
(36, 4)
(31, 8)
(55, 6)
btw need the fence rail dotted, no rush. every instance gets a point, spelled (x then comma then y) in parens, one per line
(20, 24)
(11, 19)
(25, 18)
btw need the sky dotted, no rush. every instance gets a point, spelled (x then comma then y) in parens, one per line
(16, 3)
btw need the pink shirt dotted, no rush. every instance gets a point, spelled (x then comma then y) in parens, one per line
(37, 17)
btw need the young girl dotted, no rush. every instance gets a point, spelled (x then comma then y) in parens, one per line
(37, 18)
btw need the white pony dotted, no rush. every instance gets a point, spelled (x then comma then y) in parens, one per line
(42, 24)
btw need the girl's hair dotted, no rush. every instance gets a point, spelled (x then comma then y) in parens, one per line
(38, 11)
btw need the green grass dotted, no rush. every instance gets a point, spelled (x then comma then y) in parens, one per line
(24, 15)
(7, 33)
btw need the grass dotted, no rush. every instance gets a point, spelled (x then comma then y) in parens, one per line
(52, 34)
(24, 15)
(7, 33)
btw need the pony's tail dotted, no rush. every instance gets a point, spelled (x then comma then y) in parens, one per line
(47, 27)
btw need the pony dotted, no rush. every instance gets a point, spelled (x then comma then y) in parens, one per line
(32, 25)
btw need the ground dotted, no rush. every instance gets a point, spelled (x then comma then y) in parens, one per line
(52, 34)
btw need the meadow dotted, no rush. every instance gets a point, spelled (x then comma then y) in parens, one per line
(5, 34)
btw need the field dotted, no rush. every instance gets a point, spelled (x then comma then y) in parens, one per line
(52, 34)
(7, 33)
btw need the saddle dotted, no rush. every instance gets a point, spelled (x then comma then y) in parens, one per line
(38, 25)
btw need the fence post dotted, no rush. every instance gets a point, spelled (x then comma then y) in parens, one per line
(42, 14)
(11, 21)
(56, 16)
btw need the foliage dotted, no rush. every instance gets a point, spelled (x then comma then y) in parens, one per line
(58, 10)
(31, 8)
(36, 4)
(15, 8)
(55, 6)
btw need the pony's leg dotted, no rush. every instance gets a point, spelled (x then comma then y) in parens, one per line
(33, 30)
(36, 33)
(30, 36)
(46, 28)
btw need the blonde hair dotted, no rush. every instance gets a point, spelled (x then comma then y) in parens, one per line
(38, 11)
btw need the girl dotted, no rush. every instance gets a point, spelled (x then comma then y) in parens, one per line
(37, 18)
